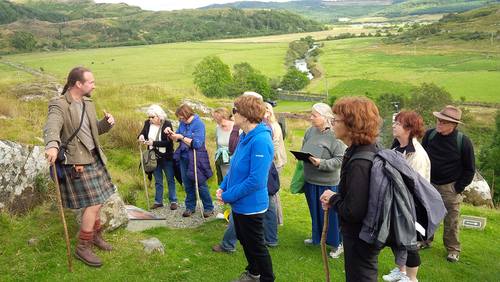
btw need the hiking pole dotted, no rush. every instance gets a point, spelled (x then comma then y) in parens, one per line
(144, 177)
(323, 245)
(63, 219)
(198, 200)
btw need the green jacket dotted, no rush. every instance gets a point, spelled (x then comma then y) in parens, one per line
(63, 120)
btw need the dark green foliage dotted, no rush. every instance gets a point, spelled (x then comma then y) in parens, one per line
(212, 77)
(294, 80)
(23, 40)
(85, 24)
(428, 98)
(246, 78)
(489, 161)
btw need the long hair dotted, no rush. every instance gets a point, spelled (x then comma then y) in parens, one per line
(76, 74)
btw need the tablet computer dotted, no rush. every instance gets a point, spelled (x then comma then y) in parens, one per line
(301, 156)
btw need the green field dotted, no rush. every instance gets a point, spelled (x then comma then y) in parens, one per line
(167, 65)
(461, 71)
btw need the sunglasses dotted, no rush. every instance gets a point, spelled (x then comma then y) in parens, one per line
(152, 117)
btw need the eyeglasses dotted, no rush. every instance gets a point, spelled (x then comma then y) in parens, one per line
(444, 121)
(235, 110)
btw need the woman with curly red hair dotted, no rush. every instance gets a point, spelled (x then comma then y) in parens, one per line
(357, 123)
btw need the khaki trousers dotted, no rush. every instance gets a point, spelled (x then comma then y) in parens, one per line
(451, 201)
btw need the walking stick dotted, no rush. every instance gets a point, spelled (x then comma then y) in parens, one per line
(198, 200)
(63, 219)
(323, 245)
(144, 177)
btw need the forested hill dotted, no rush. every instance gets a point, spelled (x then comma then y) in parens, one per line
(34, 25)
(331, 11)
(474, 25)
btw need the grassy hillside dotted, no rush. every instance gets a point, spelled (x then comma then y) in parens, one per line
(331, 11)
(53, 25)
(476, 25)
(357, 66)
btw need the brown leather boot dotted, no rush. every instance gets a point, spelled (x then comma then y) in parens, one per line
(84, 253)
(100, 242)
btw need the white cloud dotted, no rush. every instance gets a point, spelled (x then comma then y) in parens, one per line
(158, 5)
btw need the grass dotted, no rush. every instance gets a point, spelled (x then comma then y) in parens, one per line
(165, 65)
(463, 72)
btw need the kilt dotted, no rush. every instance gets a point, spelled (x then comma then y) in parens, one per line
(92, 188)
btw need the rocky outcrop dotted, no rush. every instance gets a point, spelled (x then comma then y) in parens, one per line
(23, 177)
(478, 193)
(112, 215)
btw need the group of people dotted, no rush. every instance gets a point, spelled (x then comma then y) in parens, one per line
(249, 158)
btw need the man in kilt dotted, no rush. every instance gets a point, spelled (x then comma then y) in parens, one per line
(85, 182)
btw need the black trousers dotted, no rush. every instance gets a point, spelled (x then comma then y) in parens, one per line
(360, 260)
(250, 233)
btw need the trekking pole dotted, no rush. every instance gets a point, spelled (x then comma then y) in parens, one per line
(198, 200)
(144, 177)
(323, 245)
(63, 219)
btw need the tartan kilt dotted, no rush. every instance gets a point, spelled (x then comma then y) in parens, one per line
(92, 188)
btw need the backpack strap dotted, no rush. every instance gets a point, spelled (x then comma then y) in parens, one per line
(460, 139)
(363, 155)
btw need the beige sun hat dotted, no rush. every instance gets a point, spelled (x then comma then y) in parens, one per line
(450, 113)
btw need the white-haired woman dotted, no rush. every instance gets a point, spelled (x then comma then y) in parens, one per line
(322, 173)
(163, 146)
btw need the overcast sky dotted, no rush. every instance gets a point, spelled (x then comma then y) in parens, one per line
(157, 5)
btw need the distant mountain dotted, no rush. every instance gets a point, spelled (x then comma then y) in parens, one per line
(420, 7)
(324, 11)
(51, 24)
(474, 25)
(331, 11)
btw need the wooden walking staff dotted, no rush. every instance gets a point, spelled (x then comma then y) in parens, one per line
(63, 219)
(198, 200)
(144, 177)
(323, 245)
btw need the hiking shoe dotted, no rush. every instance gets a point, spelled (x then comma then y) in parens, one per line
(394, 275)
(173, 206)
(219, 249)
(452, 257)
(208, 214)
(155, 206)
(187, 213)
(337, 252)
(308, 241)
(421, 245)
(247, 277)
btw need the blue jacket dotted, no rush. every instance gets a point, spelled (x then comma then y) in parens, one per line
(245, 185)
(196, 131)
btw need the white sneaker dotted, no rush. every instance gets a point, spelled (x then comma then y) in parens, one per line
(394, 275)
(308, 241)
(337, 252)
(406, 279)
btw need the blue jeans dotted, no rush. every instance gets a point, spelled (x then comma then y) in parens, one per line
(189, 186)
(313, 193)
(167, 167)
(270, 228)
(229, 240)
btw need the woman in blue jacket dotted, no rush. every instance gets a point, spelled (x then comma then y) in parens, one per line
(245, 186)
(191, 138)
